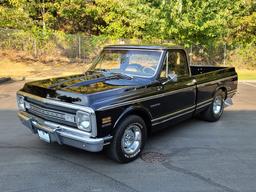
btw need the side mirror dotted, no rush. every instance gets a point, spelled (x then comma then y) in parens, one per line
(171, 77)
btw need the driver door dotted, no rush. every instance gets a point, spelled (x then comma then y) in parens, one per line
(180, 95)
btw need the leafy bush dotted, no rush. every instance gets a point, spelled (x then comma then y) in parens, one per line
(243, 57)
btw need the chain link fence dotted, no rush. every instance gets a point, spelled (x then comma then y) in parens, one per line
(51, 46)
(82, 48)
(208, 55)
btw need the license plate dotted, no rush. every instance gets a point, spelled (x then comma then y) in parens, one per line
(44, 136)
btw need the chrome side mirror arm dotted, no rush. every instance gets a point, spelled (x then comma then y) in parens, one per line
(172, 77)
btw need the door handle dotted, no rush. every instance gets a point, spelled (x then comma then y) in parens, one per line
(193, 82)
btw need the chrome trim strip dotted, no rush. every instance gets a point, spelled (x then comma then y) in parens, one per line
(174, 113)
(204, 105)
(233, 91)
(67, 105)
(172, 117)
(145, 98)
(206, 101)
(215, 81)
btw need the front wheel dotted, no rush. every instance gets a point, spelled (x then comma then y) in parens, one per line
(129, 140)
(215, 110)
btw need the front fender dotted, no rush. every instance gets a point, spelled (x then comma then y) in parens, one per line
(135, 110)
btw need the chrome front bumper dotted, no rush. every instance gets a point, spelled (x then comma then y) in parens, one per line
(63, 134)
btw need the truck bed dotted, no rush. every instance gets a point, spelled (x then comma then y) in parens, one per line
(199, 69)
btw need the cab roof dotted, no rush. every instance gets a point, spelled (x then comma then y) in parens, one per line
(150, 47)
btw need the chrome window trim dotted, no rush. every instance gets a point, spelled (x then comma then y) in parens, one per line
(67, 105)
(166, 63)
(152, 50)
(138, 49)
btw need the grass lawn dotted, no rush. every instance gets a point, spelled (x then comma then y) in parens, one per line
(246, 74)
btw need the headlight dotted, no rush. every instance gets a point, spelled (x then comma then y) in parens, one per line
(83, 121)
(21, 103)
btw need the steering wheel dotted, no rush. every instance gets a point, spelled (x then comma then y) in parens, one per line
(149, 70)
(135, 66)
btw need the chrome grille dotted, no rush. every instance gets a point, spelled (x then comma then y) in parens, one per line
(49, 113)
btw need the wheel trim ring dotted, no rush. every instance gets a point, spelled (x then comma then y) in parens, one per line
(133, 145)
(217, 105)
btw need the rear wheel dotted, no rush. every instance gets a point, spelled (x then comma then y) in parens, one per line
(129, 140)
(215, 110)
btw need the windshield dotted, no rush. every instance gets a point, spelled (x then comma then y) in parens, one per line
(142, 63)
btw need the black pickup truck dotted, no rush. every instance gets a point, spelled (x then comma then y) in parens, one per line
(126, 94)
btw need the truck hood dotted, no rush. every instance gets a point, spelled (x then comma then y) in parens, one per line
(83, 89)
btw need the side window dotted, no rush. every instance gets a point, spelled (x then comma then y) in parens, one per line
(177, 63)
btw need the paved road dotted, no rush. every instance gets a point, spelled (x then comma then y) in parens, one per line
(191, 157)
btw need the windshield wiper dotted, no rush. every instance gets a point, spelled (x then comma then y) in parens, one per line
(107, 72)
(123, 74)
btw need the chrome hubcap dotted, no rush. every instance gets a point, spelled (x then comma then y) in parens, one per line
(131, 140)
(217, 105)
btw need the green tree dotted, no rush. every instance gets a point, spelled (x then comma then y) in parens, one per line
(196, 22)
(242, 25)
(126, 18)
(14, 15)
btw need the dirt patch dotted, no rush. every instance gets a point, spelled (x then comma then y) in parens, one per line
(19, 66)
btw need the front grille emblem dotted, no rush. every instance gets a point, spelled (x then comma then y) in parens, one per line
(70, 118)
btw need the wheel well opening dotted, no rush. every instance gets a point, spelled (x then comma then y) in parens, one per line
(146, 117)
(224, 90)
